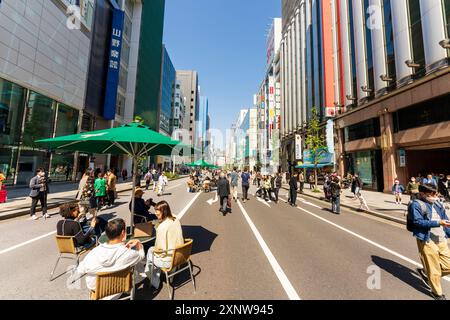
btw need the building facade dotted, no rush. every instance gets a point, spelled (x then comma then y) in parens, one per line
(168, 79)
(190, 87)
(61, 75)
(392, 88)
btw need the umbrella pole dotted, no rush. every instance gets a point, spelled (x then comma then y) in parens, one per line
(133, 192)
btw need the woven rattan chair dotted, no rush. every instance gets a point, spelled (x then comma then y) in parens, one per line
(181, 256)
(66, 246)
(113, 283)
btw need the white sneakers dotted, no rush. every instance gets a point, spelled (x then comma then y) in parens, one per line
(34, 217)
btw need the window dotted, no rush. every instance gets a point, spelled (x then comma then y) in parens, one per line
(423, 114)
(369, 49)
(352, 51)
(389, 40)
(446, 5)
(415, 29)
(366, 129)
(67, 121)
(192, 92)
(178, 86)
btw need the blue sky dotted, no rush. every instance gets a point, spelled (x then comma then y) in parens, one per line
(225, 41)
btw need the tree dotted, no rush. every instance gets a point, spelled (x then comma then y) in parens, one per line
(315, 141)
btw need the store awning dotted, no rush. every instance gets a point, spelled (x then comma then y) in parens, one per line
(312, 166)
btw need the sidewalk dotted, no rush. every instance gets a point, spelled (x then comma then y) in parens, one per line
(380, 204)
(21, 203)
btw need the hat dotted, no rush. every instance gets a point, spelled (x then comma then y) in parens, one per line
(428, 187)
(138, 191)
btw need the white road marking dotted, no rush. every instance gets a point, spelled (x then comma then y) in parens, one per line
(263, 201)
(26, 242)
(288, 288)
(183, 212)
(213, 200)
(398, 255)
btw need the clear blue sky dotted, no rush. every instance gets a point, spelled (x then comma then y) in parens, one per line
(225, 41)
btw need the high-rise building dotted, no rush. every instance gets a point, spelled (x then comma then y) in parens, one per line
(168, 79)
(190, 87)
(178, 109)
(203, 122)
(392, 87)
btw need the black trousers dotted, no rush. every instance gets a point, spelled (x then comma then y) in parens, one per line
(42, 197)
(245, 192)
(111, 197)
(293, 197)
(277, 192)
(302, 184)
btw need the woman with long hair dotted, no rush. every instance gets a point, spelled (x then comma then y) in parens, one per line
(169, 235)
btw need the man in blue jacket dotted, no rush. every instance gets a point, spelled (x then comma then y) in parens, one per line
(431, 229)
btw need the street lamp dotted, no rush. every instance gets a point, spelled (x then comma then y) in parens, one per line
(385, 77)
(351, 98)
(445, 43)
(412, 64)
(366, 89)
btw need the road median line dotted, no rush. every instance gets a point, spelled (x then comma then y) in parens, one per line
(287, 286)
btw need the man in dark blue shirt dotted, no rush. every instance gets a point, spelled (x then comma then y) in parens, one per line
(245, 176)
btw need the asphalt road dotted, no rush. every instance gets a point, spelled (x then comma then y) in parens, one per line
(259, 251)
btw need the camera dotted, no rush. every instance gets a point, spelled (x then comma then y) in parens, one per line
(150, 202)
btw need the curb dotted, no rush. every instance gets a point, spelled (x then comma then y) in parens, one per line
(25, 212)
(370, 212)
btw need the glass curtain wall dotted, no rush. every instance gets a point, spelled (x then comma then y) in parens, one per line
(389, 41)
(415, 25)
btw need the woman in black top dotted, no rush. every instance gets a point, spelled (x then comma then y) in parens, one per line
(72, 227)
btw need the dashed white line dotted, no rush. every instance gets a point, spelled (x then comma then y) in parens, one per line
(287, 286)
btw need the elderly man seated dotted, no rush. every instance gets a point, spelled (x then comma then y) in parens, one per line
(142, 207)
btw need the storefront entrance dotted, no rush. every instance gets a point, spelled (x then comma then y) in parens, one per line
(369, 166)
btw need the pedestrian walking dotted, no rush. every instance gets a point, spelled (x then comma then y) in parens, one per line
(258, 179)
(124, 175)
(111, 187)
(335, 191)
(312, 181)
(397, 191)
(39, 187)
(301, 180)
(162, 183)
(293, 187)
(84, 194)
(148, 179)
(430, 226)
(234, 179)
(100, 190)
(356, 186)
(155, 175)
(223, 192)
(245, 181)
(278, 183)
(413, 188)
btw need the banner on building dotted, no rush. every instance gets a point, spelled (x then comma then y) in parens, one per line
(402, 158)
(298, 146)
(112, 80)
(330, 136)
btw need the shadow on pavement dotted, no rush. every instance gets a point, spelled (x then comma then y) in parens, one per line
(203, 238)
(401, 272)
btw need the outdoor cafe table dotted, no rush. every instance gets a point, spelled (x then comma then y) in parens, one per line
(104, 239)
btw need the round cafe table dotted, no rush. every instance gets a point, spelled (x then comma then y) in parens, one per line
(104, 239)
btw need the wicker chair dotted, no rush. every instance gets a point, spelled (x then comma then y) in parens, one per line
(113, 283)
(181, 256)
(66, 245)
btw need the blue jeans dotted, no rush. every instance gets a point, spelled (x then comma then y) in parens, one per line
(336, 204)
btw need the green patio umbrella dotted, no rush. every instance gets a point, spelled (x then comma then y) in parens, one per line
(201, 163)
(134, 139)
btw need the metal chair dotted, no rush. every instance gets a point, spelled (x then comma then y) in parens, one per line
(181, 256)
(112, 283)
(66, 245)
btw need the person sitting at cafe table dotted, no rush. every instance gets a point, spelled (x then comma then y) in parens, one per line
(142, 207)
(169, 235)
(76, 225)
(112, 256)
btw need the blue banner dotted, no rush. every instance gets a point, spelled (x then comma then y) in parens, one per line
(112, 81)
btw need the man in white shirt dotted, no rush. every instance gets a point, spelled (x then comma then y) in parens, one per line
(111, 256)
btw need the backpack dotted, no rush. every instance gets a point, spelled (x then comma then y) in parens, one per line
(410, 215)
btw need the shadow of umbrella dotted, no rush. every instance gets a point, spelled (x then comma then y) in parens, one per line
(203, 238)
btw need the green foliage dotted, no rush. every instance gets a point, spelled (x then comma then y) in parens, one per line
(172, 176)
(139, 119)
(315, 140)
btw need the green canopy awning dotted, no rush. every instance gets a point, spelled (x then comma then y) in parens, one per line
(202, 163)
